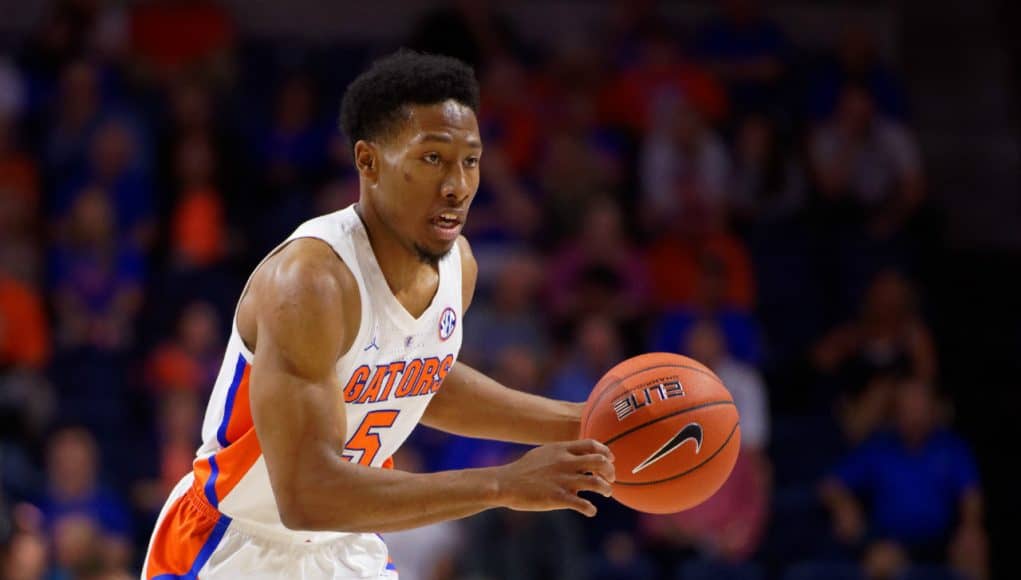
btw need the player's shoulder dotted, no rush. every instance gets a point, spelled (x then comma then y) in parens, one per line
(306, 288)
(308, 266)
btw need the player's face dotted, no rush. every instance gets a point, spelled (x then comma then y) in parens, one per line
(428, 176)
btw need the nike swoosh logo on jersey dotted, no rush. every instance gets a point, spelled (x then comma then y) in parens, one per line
(690, 432)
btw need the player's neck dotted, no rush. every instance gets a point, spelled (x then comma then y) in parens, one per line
(400, 265)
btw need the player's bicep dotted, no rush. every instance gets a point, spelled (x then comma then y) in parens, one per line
(296, 403)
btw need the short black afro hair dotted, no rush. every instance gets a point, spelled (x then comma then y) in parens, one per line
(374, 102)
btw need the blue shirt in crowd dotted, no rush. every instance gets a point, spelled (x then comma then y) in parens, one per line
(916, 493)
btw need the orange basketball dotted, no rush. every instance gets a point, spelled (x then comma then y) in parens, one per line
(673, 429)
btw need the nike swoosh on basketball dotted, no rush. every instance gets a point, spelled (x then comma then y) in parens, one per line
(690, 432)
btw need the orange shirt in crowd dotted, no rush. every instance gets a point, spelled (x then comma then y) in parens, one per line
(170, 368)
(198, 234)
(24, 334)
(628, 100)
(18, 175)
(174, 35)
(675, 269)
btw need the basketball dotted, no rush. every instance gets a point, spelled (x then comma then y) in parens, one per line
(673, 429)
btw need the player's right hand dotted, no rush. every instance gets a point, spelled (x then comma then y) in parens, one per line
(549, 477)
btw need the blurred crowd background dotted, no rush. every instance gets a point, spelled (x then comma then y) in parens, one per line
(818, 200)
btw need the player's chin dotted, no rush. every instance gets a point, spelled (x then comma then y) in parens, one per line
(433, 248)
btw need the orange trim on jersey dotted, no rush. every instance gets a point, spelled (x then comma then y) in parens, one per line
(188, 534)
(219, 473)
(388, 463)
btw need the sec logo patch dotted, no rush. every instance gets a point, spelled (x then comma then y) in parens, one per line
(448, 322)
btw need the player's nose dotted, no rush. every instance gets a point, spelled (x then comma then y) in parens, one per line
(455, 187)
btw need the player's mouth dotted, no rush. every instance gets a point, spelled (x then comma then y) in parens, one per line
(447, 224)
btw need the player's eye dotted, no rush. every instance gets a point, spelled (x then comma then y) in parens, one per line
(471, 162)
(432, 158)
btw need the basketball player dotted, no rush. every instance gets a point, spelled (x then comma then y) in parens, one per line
(344, 339)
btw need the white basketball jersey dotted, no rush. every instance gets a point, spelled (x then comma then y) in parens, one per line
(392, 370)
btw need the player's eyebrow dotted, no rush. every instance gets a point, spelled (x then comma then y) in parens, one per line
(446, 138)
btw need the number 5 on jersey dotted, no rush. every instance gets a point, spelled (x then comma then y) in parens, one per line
(366, 438)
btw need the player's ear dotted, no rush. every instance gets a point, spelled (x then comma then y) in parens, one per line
(367, 160)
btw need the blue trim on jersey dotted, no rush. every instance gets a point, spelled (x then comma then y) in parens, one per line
(239, 371)
(203, 556)
(389, 565)
(211, 484)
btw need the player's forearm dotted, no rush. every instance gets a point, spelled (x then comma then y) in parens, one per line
(353, 498)
(474, 405)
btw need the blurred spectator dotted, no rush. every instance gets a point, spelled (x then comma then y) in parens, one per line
(510, 545)
(576, 67)
(579, 160)
(179, 423)
(922, 488)
(97, 283)
(336, 195)
(292, 153)
(12, 90)
(504, 213)
(856, 62)
(25, 557)
(72, 123)
(739, 328)
(867, 168)
(600, 271)
(19, 175)
(162, 53)
(510, 119)
(87, 519)
(24, 329)
(626, 26)
(198, 236)
(429, 552)
(730, 525)
(510, 317)
(767, 185)
(193, 115)
(115, 166)
(519, 369)
(747, 51)
(706, 343)
(66, 31)
(661, 72)
(475, 32)
(684, 169)
(702, 270)
(621, 559)
(191, 360)
(191, 108)
(26, 398)
(596, 349)
(889, 339)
